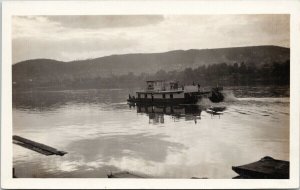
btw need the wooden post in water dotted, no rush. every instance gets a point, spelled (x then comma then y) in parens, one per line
(14, 174)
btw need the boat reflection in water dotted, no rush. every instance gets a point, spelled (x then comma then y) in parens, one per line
(156, 113)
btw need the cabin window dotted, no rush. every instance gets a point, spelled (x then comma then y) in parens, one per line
(175, 86)
(145, 95)
(139, 96)
(164, 96)
(171, 96)
(150, 86)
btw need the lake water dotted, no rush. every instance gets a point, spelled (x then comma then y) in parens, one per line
(102, 134)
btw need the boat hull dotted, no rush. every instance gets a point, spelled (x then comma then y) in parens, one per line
(163, 101)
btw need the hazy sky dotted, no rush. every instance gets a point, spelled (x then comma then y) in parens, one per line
(80, 37)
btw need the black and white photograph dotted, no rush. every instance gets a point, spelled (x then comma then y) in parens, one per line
(152, 96)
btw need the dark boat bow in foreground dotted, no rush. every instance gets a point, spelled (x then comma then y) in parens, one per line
(265, 168)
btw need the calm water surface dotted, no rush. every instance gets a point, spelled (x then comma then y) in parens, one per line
(102, 134)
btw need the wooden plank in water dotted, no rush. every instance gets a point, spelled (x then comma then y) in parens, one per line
(35, 146)
(265, 168)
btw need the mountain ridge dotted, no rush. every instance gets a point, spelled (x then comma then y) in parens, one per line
(88, 59)
(148, 63)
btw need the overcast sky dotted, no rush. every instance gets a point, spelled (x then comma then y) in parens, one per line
(68, 38)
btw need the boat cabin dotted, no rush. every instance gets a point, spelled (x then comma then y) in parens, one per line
(160, 85)
(161, 91)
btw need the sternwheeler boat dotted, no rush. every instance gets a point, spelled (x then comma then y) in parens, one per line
(162, 92)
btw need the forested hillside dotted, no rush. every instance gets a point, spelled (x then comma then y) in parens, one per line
(227, 66)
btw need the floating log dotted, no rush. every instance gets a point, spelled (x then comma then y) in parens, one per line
(38, 147)
(217, 109)
(123, 174)
(265, 168)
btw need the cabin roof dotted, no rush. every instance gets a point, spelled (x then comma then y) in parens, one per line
(154, 80)
(160, 92)
(171, 81)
